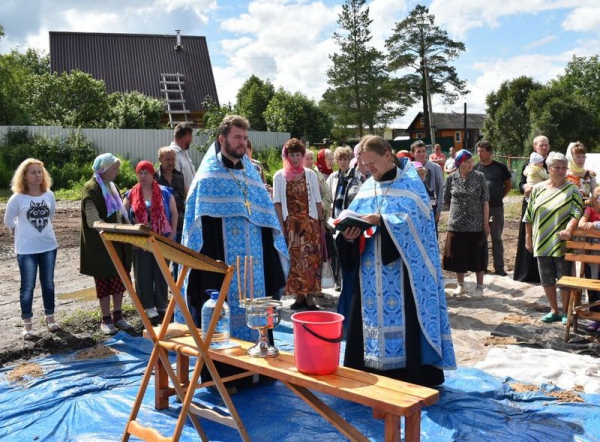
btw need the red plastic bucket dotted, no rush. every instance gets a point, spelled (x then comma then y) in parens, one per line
(317, 337)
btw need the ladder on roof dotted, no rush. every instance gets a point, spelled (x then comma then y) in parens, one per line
(171, 87)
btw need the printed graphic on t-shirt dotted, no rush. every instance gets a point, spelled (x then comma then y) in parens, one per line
(38, 215)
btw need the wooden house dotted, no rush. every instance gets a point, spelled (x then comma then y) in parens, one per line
(174, 68)
(449, 127)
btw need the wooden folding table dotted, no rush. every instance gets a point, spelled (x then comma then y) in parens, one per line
(165, 249)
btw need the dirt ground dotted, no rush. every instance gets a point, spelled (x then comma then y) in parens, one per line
(472, 319)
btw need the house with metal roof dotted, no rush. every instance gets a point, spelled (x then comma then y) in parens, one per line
(449, 129)
(174, 68)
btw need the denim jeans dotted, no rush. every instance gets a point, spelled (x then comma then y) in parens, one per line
(28, 266)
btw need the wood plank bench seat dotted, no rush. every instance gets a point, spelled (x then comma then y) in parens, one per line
(584, 249)
(390, 399)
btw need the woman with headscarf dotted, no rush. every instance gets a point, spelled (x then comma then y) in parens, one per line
(584, 179)
(466, 194)
(101, 201)
(325, 162)
(152, 205)
(298, 205)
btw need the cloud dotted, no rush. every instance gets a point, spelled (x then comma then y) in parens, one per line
(287, 42)
(460, 16)
(540, 42)
(583, 19)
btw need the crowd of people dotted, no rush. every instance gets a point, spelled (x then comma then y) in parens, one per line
(389, 276)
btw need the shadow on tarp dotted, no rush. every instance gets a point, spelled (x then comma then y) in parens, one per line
(91, 400)
(550, 336)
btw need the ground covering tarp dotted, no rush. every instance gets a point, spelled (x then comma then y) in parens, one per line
(90, 400)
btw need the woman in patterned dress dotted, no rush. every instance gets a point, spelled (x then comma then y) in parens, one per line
(553, 212)
(466, 193)
(298, 205)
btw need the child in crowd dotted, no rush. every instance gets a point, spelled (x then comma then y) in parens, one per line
(423, 174)
(535, 171)
(29, 214)
(591, 220)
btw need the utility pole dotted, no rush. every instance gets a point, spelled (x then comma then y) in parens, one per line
(429, 106)
(465, 137)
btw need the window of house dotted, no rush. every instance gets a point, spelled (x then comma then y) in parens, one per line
(423, 121)
(457, 136)
(419, 135)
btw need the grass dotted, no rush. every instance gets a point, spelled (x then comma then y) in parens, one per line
(87, 321)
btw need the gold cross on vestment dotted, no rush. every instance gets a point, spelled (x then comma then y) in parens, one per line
(247, 204)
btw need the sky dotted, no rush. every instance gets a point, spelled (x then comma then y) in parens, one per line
(289, 41)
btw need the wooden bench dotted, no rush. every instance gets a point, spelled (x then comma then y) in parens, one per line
(584, 248)
(390, 399)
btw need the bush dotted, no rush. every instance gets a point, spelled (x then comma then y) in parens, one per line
(270, 158)
(127, 178)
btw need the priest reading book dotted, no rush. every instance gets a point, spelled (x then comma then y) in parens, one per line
(348, 218)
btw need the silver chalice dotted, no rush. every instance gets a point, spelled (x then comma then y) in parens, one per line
(263, 314)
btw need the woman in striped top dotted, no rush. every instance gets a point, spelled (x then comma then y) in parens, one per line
(553, 212)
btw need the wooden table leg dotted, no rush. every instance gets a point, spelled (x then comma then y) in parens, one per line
(161, 384)
(412, 427)
(183, 371)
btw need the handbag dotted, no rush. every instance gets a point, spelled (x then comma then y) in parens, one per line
(327, 279)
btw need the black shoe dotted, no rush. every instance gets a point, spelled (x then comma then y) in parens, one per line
(313, 307)
(299, 305)
(501, 273)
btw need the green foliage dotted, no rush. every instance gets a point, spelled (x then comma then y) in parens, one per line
(5, 175)
(253, 99)
(126, 178)
(562, 117)
(508, 125)
(425, 49)
(134, 110)
(66, 159)
(271, 160)
(69, 100)
(212, 118)
(361, 93)
(297, 114)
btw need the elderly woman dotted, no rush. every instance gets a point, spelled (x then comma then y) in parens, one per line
(466, 194)
(398, 321)
(553, 212)
(584, 179)
(298, 205)
(325, 162)
(101, 201)
(326, 200)
(152, 205)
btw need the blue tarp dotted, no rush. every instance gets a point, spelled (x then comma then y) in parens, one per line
(91, 399)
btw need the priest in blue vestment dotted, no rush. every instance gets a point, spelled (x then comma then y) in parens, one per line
(229, 213)
(398, 324)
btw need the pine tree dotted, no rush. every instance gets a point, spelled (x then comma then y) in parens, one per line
(421, 47)
(360, 92)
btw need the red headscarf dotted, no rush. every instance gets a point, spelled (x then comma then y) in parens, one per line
(322, 164)
(158, 218)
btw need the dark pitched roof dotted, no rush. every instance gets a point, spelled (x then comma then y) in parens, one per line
(128, 62)
(453, 121)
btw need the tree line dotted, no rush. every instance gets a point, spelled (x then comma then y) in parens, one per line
(367, 90)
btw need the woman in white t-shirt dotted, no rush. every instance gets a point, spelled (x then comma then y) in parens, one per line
(29, 214)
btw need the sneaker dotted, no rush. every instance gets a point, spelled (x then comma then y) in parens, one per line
(478, 291)
(459, 290)
(123, 324)
(151, 312)
(564, 319)
(551, 317)
(108, 329)
(593, 327)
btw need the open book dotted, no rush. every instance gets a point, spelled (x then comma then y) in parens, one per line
(348, 218)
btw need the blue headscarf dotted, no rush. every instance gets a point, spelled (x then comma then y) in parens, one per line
(462, 156)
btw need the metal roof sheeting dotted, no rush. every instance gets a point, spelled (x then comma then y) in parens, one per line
(128, 62)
